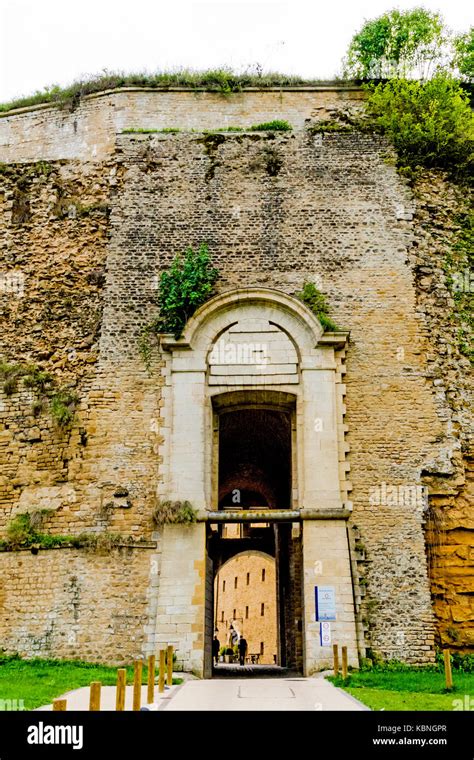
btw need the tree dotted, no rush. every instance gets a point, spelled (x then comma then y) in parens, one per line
(397, 44)
(430, 123)
(464, 54)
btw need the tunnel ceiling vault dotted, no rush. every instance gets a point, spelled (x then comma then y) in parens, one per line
(255, 458)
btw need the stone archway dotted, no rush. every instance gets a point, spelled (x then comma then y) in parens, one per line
(248, 347)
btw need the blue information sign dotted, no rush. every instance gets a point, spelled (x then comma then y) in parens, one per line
(325, 602)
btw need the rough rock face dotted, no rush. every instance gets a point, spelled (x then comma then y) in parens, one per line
(53, 237)
(54, 220)
(82, 243)
(441, 222)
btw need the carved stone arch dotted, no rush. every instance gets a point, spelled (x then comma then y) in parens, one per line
(301, 359)
(302, 372)
(288, 312)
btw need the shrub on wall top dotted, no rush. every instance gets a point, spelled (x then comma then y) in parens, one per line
(430, 123)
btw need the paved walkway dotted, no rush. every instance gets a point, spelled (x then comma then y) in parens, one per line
(282, 694)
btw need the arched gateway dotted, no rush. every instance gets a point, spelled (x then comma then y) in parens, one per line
(253, 421)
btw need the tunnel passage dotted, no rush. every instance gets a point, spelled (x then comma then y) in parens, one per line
(276, 540)
(245, 604)
(255, 458)
(255, 470)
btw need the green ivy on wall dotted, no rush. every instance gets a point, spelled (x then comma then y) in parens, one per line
(316, 302)
(60, 401)
(187, 284)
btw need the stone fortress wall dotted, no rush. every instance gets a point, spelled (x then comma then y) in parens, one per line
(89, 217)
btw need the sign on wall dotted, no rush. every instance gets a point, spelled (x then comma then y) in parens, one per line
(325, 602)
(325, 633)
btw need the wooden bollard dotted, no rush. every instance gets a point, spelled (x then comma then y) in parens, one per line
(137, 684)
(344, 662)
(161, 678)
(447, 669)
(94, 698)
(335, 650)
(60, 704)
(169, 663)
(151, 680)
(121, 686)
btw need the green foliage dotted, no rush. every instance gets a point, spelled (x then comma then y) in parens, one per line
(133, 131)
(10, 375)
(37, 379)
(99, 543)
(316, 301)
(165, 131)
(463, 59)
(19, 530)
(397, 44)
(277, 125)
(184, 287)
(37, 407)
(403, 687)
(464, 663)
(224, 81)
(61, 402)
(38, 681)
(24, 531)
(459, 269)
(327, 323)
(31, 376)
(459, 661)
(144, 341)
(174, 512)
(62, 405)
(430, 124)
(27, 171)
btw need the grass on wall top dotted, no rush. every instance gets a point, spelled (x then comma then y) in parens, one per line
(215, 80)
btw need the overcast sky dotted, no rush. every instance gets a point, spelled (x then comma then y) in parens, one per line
(46, 42)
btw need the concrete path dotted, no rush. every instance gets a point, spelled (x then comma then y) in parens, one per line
(240, 694)
(283, 694)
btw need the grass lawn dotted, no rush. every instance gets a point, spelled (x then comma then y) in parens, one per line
(38, 682)
(407, 688)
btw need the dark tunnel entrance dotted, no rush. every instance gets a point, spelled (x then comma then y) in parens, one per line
(255, 458)
(254, 453)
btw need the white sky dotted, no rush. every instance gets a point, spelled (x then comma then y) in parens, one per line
(45, 42)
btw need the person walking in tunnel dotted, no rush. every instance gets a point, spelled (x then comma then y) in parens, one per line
(216, 645)
(242, 650)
